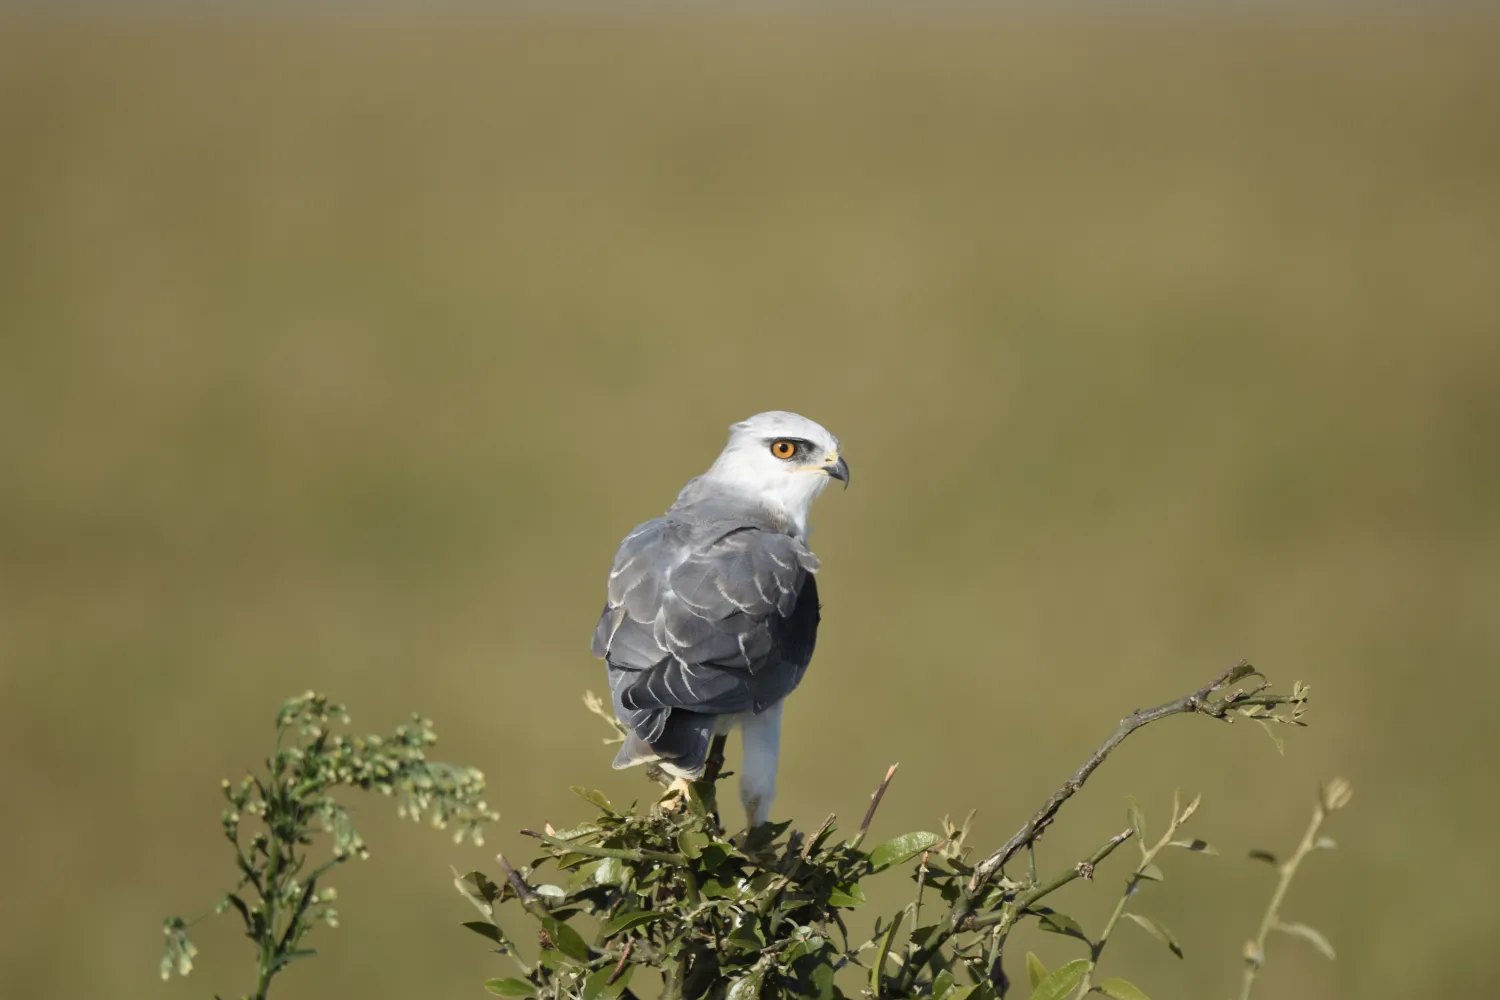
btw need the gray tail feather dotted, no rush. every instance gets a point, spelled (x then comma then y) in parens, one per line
(637, 751)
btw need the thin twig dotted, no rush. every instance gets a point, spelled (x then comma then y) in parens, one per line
(1148, 855)
(1335, 796)
(618, 853)
(1008, 914)
(812, 841)
(774, 891)
(529, 900)
(1199, 701)
(916, 912)
(714, 764)
(875, 797)
(1084, 869)
(620, 966)
(689, 880)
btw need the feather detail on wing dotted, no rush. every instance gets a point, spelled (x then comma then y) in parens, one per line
(703, 620)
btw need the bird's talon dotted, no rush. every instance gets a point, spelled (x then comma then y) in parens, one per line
(675, 798)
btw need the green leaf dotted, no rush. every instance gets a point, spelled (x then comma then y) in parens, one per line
(597, 985)
(611, 871)
(963, 992)
(1201, 846)
(815, 976)
(594, 984)
(1152, 872)
(1119, 989)
(877, 969)
(1062, 982)
(553, 895)
(714, 855)
(625, 921)
(691, 843)
(567, 939)
(761, 837)
(1058, 923)
(483, 887)
(619, 984)
(847, 894)
(1035, 970)
(942, 984)
(746, 937)
(920, 935)
(1159, 931)
(1270, 728)
(747, 987)
(1137, 820)
(593, 798)
(721, 887)
(1311, 936)
(484, 929)
(702, 800)
(902, 849)
(510, 987)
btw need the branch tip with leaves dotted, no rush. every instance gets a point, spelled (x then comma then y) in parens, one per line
(279, 892)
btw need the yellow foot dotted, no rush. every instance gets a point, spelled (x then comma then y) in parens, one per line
(675, 798)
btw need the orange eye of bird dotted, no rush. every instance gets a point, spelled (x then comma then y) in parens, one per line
(783, 449)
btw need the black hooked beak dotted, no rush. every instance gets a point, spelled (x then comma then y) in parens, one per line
(839, 470)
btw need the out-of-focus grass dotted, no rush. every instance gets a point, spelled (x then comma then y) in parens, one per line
(341, 353)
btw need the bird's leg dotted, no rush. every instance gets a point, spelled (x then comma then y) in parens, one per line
(761, 735)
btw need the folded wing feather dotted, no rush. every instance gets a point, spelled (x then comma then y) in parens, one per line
(703, 620)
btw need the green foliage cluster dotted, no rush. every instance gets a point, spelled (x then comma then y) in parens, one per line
(763, 915)
(670, 891)
(279, 894)
(633, 897)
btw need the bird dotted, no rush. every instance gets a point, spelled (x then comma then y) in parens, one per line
(712, 610)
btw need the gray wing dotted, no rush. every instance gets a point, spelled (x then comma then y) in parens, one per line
(702, 623)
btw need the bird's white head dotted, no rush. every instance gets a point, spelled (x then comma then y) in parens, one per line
(782, 459)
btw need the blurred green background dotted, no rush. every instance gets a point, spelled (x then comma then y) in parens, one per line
(340, 352)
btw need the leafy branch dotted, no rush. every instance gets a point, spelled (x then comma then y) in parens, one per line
(1334, 795)
(763, 917)
(1145, 870)
(1255, 703)
(279, 894)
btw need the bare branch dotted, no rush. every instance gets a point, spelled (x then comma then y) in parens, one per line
(619, 968)
(1199, 701)
(714, 764)
(529, 900)
(879, 793)
(618, 854)
(1084, 869)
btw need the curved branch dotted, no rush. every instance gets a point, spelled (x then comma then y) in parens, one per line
(1199, 701)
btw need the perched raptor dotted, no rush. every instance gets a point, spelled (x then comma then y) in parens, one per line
(713, 607)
